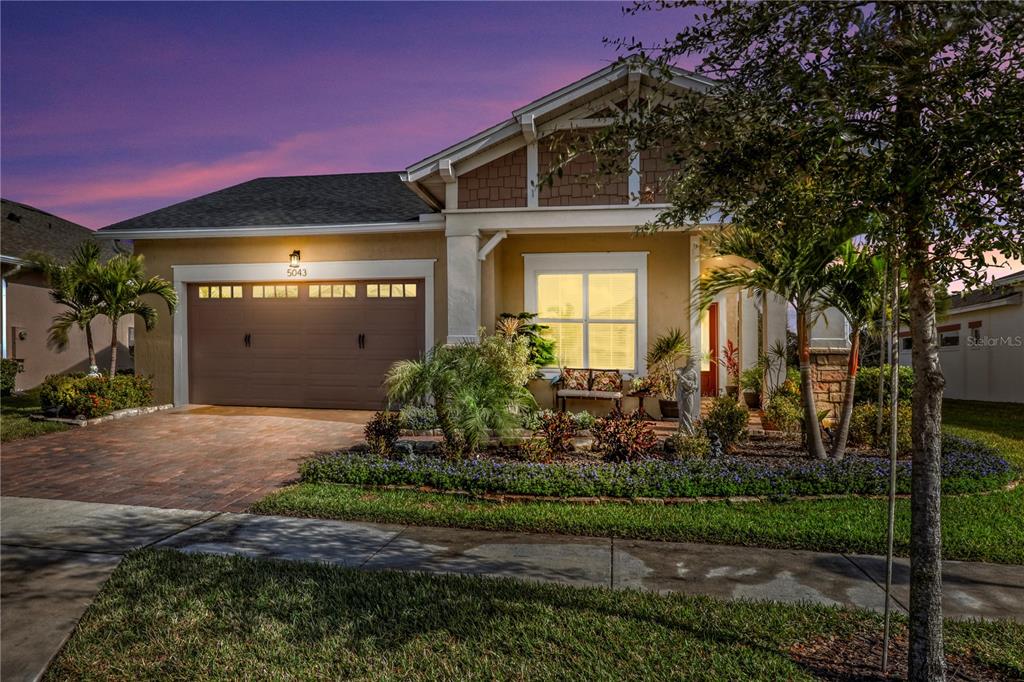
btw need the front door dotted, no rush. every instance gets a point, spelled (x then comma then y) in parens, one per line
(709, 351)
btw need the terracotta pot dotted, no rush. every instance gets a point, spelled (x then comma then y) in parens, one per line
(669, 409)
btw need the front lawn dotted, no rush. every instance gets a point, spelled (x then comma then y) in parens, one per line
(14, 417)
(975, 528)
(176, 616)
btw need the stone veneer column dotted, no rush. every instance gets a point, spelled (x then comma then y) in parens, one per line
(463, 274)
(828, 376)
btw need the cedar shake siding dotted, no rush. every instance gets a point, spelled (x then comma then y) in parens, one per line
(498, 184)
(655, 166)
(578, 185)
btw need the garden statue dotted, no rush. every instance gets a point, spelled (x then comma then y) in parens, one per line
(715, 449)
(687, 390)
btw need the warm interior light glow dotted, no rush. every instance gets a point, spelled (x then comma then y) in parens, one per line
(294, 258)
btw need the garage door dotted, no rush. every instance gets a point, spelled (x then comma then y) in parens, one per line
(315, 344)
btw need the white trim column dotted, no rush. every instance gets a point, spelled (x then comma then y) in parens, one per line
(775, 313)
(463, 285)
(695, 313)
(750, 342)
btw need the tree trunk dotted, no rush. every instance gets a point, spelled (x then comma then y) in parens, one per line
(843, 429)
(815, 446)
(91, 346)
(884, 347)
(927, 661)
(113, 347)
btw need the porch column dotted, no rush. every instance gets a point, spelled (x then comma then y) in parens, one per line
(750, 341)
(695, 316)
(463, 247)
(775, 318)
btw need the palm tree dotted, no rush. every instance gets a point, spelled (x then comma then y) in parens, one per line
(790, 261)
(855, 285)
(71, 285)
(120, 286)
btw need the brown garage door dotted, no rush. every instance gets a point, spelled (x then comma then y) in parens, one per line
(315, 344)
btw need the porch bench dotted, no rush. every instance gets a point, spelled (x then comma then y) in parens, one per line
(589, 384)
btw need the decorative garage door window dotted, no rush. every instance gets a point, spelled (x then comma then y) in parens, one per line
(220, 291)
(391, 291)
(332, 290)
(275, 291)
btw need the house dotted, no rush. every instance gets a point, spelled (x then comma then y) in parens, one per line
(28, 311)
(981, 342)
(302, 291)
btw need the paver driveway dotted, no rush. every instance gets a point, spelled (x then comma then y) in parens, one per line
(207, 458)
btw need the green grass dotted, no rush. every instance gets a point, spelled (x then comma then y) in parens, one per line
(165, 615)
(982, 528)
(975, 528)
(14, 421)
(1000, 425)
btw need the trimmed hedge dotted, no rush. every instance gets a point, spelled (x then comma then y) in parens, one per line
(866, 388)
(967, 466)
(74, 395)
(8, 374)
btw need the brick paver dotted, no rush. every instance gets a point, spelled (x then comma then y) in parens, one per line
(207, 458)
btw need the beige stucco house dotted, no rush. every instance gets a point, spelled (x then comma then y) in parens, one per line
(28, 311)
(301, 291)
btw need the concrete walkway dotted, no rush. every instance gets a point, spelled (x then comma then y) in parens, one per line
(57, 554)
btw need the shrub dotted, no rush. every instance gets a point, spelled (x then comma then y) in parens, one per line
(382, 433)
(8, 373)
(866, 389)
(696, 445)
(728, 419)
(558, 430)
(864, 419)
(95, 396)
(622, 437)
(535, 450)
(785, 412)
(418, 418)
(967, 466)
(529, 419)
(477, 388)
(585, 421)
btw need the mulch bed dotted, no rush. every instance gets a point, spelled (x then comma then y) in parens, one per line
(857, 658)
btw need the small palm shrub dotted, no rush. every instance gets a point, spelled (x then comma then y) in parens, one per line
(694, 445)
(382, 433)
(8, 372)
(558, 430)
(866, 388)
(624, 438)
(784, 412)
(727, 419)
(864, 419)
(418, 418)
(477, 389)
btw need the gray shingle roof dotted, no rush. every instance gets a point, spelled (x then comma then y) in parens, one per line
(290, 201)
(27, 229)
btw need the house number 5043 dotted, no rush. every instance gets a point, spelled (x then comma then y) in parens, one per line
(296, 272)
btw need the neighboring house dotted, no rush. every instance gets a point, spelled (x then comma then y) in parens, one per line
(301, 291)
(28, 310)
(981, 342)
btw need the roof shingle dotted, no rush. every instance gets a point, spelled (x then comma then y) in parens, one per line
(350, 198)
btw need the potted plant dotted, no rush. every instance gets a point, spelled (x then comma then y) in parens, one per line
(731, 361)
(669, 352)
(750, 381)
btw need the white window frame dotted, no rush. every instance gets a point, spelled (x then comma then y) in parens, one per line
(586, 263)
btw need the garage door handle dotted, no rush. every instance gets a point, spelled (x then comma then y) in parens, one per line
(247, 340)
(362, 340)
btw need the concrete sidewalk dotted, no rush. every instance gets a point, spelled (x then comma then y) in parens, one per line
(57, 555)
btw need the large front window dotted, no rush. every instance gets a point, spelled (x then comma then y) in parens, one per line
(592, 314)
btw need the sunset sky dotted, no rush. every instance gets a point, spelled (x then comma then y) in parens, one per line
(113, 109)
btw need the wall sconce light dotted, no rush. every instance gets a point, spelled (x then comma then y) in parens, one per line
(294, 258)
